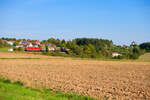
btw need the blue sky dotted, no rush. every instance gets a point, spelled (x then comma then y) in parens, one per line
(119, 20)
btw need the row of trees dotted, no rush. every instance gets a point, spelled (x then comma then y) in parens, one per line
(145, 46)
(4, 44)
(96, 48)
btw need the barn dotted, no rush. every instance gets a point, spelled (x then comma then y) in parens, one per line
(33, 49)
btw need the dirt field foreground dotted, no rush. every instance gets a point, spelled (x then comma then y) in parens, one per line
(100, 79)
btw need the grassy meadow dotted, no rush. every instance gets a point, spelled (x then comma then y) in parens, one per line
(3, 49)
(16, 91)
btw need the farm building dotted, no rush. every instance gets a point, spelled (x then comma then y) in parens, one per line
(51, 48)
(10, 42)
(116, 54)
(33, 49)
(11, 49)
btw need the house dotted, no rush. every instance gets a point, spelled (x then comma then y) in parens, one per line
(116, 54)
(43, 47)
(38, 42)
(48, 44)
(5, 41)
(51, 48)
(124, 46)
(24, 42)
(11, 49)
(30, 45)
(10, 42)
(54, 46)
(20, 45)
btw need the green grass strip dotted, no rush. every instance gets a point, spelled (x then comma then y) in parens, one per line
(16, 91)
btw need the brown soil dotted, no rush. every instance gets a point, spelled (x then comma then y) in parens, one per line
(100, 79)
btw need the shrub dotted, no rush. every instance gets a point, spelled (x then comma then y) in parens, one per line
(6, 81)
(118, 57)
(134, 56)
(18, 83)
(19, 49)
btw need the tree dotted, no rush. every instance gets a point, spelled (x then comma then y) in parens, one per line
(135, 52)
(145, 46)
(1, 43)
(51, 40)
(20, 49)
(47, 49)
(4, 44)
(15, 43)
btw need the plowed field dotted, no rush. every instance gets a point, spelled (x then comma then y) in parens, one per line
(99, 79)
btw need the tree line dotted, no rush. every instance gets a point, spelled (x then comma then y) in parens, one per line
(4, 44)
(91, 48)
(98, 48)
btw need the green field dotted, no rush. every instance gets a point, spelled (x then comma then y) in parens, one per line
(3, 49)
(145, 57)
(16, 91)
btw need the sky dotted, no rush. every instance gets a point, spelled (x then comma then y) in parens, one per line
(121, 21)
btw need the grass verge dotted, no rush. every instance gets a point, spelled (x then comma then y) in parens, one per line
(18, 58)
(3, 49)
(15, 91)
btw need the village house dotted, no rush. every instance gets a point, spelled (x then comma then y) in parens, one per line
(43, 47)
(51, 48)
(24, 42)
(124, 46)
(10, 42)
(20, 45)
(116, 54)
(38, 42)
(11, 49)
(30, 45)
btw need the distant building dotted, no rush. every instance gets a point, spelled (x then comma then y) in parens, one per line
(133, 43)
(38, 42)
(48, 44)
(51, 48)
(33, 49)
(20, 45)
(30, 45)
(54, 46)
(10, 42)
(24, 42)
(116, 54)
(11, 49)
(43, 49)
(124, 46)
(4, 40)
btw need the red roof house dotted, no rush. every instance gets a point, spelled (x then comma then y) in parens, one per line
(32, 49)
